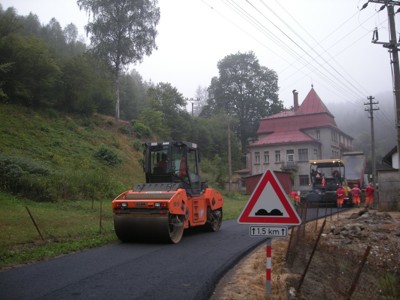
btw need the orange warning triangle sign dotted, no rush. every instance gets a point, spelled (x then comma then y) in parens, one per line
(269, 204)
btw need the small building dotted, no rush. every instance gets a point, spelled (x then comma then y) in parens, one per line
(286, 141)
(392, 158)
(388, 182)
(283, 178)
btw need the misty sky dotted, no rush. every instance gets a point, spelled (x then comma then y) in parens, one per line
(319, 42)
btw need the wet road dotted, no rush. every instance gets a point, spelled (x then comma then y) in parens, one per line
(188, 270)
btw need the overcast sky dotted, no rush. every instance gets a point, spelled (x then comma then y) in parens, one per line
(319, 42)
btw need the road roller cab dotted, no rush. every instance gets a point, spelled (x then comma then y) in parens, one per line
(173, 198)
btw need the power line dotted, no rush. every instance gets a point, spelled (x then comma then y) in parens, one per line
(337, 81)
(328, 75)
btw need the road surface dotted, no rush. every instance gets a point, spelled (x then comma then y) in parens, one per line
(188, 270)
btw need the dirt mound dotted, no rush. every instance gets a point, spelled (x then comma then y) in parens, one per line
(336, 261)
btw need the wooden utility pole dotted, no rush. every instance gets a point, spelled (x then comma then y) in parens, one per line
(229, 154)
(394, 53)
(371, 109)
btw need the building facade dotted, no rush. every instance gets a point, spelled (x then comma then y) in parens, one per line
(287, 141)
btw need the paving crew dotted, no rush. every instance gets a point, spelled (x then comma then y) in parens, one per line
(356, 194)
(340, 193)
(369, 198)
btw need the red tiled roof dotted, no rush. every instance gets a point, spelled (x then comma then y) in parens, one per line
(312, 104)
(287, 126)
(294, 136)
(295, 122)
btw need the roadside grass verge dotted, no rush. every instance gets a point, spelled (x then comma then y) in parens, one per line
(66, 227)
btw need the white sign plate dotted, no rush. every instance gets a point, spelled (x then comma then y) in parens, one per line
(269, 231)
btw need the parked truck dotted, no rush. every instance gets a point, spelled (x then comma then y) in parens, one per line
(355, 167)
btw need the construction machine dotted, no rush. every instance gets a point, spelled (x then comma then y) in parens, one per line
(173, 198)
(327, 175)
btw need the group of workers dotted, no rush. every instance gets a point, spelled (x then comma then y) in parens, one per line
(343, 192)
(355, 192)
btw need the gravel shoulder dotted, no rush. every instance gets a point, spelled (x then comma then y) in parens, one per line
(347, 234)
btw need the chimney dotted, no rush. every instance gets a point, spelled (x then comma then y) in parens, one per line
(295, 100)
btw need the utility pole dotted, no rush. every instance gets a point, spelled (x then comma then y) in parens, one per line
(393, 50)
(229, 154)
(371, 116)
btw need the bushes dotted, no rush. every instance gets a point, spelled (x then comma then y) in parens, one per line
(107, 156)
(36, 182)
(141, 130)
(23, 176)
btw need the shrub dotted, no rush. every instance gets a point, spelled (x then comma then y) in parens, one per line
(107, 156)
(126, 130)
(24, 177)
(137, 145)
(141, 130)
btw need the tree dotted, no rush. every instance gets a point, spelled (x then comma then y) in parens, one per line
(9, 22)
(201, 99)
(54, 37)
(244, 90)
(165, 98)
(34, 75)
(132, 95)
(83, 89)
(122, 32)
(4, 68)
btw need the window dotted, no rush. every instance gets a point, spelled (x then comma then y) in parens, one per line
(277, 156)
(266, 157)
(334, 136)
(315, 153)
(290, 155)
(335, 154)
(257, 157)
(304, 180)
(303, 154)
(318, 134)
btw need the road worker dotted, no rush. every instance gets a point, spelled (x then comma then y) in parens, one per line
(295, 197)
(340, 193)
(356, 194)
(369, 197)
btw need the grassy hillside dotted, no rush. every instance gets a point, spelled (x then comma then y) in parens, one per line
(66, 157)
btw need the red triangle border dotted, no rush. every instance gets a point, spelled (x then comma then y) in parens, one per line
(292, 219)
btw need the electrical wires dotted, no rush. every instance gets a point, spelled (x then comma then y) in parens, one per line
(277, 29)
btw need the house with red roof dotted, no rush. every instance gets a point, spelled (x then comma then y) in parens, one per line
(288, 140)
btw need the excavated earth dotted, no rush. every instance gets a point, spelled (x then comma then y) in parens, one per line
(345, 240)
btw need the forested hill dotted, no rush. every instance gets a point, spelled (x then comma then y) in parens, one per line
(354, 120)
(47, 156)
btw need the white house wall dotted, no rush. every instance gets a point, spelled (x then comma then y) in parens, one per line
(327, 145)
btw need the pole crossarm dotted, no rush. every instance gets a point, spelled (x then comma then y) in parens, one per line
(385, 2)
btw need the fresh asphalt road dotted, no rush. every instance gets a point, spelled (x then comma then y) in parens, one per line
(188, 270)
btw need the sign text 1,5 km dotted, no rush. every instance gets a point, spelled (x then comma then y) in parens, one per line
(268, 231)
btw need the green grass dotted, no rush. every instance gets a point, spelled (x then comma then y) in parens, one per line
(233, 205)
(65, 227)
